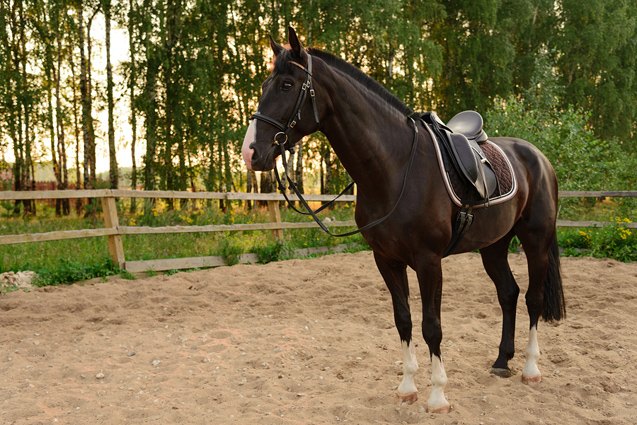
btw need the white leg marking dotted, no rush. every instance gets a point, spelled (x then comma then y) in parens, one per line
(531, 372)
(407, 387)
(437, 402)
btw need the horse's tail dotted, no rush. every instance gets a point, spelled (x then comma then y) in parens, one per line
(554, 305)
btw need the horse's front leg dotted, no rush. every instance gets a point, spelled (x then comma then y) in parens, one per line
(395, 276)
(430, 281)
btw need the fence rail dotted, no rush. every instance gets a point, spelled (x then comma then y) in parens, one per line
(114, 232)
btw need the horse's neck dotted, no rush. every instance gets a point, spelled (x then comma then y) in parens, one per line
(373, 144)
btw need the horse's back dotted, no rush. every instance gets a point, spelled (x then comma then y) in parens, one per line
(536, 179)
(527, 160)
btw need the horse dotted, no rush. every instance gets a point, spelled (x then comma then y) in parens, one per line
(392, 160)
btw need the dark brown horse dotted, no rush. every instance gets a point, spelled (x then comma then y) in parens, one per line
(372, 134)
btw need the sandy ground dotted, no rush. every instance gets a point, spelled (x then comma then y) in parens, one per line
(308, 342)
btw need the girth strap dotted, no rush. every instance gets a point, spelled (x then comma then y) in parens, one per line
(464, 219)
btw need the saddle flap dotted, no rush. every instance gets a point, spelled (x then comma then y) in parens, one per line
(473, 164)
(465, 155)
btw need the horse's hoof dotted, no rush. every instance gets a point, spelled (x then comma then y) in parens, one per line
(408, 398)
(502, 372)
(531, 379)
(446, 408)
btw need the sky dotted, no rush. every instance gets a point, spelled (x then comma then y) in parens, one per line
(120, 52)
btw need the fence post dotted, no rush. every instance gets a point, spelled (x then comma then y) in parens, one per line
(111, 220)
(275, 215)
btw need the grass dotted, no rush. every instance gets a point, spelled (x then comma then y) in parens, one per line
(66, 261)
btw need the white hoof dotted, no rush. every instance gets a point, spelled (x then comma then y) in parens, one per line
(531, 379)
(408, 398)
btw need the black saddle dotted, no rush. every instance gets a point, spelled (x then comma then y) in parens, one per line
(459, 140)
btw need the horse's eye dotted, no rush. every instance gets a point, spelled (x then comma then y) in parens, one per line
(287, 85)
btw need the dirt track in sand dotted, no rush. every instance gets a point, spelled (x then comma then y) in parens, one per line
(308, 342)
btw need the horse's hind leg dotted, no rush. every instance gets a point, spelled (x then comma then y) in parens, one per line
(494, 259)
(395, 276)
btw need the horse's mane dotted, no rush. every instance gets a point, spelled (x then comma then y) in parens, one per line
(362, 78)
(350, 70)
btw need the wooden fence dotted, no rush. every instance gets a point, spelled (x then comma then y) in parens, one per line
(114, 232)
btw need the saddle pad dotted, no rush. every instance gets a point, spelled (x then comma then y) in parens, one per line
(461, 193)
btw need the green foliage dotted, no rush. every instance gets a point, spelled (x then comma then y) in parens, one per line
(574, 241)
(195, 67)
(270, 252)
(615, 241)
(581, 160)
(597, 63)
(231, 250)
(479, 55)
(67, 271)
(125, 274)
(515, 245)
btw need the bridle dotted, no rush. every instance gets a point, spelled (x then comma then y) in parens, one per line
(306, 89)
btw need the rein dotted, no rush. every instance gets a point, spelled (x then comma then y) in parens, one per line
(281, 138)
(314, 213)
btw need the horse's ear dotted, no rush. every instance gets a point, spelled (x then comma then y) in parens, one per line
(276, 47)
(295, 43)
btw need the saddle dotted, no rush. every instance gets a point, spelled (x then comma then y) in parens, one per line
(459, 142)
(467, 158)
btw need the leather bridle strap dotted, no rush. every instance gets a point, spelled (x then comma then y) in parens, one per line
(306, 89)
(313, 213)
(296, 191)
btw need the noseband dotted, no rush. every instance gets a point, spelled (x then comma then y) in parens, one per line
(281, 138)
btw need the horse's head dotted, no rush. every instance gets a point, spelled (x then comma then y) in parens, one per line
(287, 109)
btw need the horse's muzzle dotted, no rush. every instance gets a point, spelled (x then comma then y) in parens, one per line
(258, 156)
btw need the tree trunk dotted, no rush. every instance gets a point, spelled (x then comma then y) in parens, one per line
(50, 76)
(112, 153)
(268, 184)
(27, 100)
(59, 118)
(251, 186)
(91, 123)
(298, 172)
(76, 131)
(133, 109)
(84, 100)
(149, 99)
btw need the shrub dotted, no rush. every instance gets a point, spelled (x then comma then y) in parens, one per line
(231, 251)
(71, 271)
(616, 241)
(271, 252)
